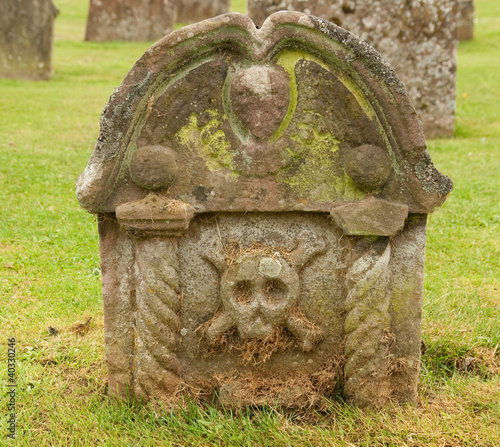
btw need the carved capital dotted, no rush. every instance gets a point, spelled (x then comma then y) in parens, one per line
(155, 215)
(370, 217)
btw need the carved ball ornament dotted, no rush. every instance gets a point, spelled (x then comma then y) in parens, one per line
(153, 167)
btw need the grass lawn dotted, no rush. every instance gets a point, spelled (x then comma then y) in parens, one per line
(50, 276)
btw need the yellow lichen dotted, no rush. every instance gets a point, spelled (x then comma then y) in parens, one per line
(208, 141)
(318, 178)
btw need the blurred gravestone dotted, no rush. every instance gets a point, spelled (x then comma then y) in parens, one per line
(129, 20)
(465, 29)
(418, 38)
(26, 39)
(262, 199)
(189, 11)
(259, 10)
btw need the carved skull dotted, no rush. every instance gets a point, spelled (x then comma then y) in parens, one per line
(259, 293)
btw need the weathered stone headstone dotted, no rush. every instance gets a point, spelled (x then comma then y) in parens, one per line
(129, 20)
(189, 11)
(418, 38)
(465, 28)
(262, 198)
(26, 39)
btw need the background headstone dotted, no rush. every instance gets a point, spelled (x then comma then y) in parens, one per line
(189, 11)
(262, 199)
(465, 29)
(129, 20)
(259, 10)
(418, 38)
(26, 39)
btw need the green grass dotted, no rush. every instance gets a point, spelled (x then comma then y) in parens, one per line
(50, 275)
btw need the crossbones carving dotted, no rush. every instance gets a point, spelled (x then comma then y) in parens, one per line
(260, 293)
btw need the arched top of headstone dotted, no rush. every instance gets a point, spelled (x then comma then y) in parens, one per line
(298, 115)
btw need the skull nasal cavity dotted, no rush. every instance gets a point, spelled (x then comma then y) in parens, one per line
(275, 291)
(243, 292)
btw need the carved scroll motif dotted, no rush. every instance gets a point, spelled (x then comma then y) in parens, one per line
(157, 322)
(367, 323)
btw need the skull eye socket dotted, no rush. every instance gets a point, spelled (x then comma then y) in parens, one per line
(275, 291)
(243, 292)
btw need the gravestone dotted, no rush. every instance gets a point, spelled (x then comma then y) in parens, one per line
(465, 28)
(129, 20)
(262, 198)
(26, 39)
(189, 11)
(418, 38)
(259, 10)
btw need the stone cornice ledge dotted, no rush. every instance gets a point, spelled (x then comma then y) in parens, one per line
(155, 216)
(370, 217)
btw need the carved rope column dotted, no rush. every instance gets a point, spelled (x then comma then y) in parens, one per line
(156, 223)
(367, 327)
(370, 223)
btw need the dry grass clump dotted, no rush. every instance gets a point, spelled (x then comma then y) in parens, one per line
(80, 328)
(234, 250)
(290, 390)
(447, 359)
(482, 362)
(293, 390)
(310, 333)
(257, 351)
(397, 366)
(251, 351)
(242, 293)
(177, 207)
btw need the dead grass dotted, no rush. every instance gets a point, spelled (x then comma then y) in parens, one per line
(176, 207)
(80, 328)
(255, 351)
(397, 366)
(234, 251)
(447, 360)
(480, 362)
(298, 391)
(250, 351)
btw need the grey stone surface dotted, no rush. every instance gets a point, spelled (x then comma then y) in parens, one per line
(417, 37)
(129, 20)
(262, 198)
(26, 39)
(189, 11)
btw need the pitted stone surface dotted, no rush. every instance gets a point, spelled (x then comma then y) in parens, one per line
(418, 38)
(26, 39)
(129, 20)
(262, 198)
